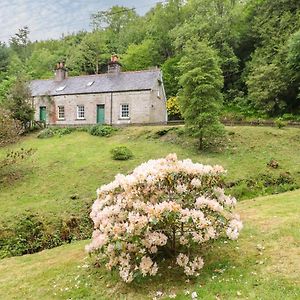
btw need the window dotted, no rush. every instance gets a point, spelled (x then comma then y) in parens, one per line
(80, 111)
(61, 112)
(124, 111)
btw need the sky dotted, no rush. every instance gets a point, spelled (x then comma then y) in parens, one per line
(51, 18)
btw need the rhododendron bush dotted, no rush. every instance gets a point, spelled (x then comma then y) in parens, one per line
(164, 207)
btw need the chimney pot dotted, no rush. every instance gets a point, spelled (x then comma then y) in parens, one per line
(114, 58)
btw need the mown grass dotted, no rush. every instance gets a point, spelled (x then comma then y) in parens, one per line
(79, 163)
(262, 264)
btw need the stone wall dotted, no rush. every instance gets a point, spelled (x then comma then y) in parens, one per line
(145, 107)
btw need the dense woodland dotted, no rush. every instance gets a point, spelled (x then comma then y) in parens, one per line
(255, 44)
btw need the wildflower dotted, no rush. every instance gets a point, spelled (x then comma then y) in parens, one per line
(159, 293)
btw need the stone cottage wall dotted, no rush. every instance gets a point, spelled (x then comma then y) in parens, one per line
(144, 107)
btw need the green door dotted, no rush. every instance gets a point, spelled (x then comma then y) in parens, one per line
(43, 113)
(100, 114)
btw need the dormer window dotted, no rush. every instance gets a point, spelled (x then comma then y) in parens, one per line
(61, 88)
(90, 83)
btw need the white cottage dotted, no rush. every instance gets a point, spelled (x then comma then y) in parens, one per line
(114, 98)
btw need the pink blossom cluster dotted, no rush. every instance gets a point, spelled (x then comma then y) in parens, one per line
(165, 206)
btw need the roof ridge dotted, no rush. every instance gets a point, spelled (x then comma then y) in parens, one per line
(102, 74)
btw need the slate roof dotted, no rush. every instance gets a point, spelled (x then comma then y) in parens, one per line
(93, 84)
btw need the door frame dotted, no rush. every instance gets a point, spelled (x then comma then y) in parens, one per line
(97, 111)
(40, 112)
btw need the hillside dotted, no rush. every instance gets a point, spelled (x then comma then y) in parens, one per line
(263, 264)
(79, 163)
(45, 201)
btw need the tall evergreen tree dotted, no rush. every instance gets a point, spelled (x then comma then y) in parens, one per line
(200, 96)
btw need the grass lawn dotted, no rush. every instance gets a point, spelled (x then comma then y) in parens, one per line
(79, 163)
(263, 264)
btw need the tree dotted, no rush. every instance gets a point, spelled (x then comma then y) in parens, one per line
(270, 76)
(293, 60)
(171, 75)
(133, 33)
(265, 85)
(4, 57)
(91, 54)
(5, 86)
(294, 52)
(113, 22)
(142, 56)
(113, 19)
(200, 96)
(41, 64)
(160, 21)
(20, 43)
(19, 102)
(213, 21)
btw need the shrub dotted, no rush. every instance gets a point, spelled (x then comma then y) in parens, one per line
(63, 131)
(10, 129)
(46, 133)
(280, 123)
(13, 157)
(102, 130)
(55, 131)
(262, 184)
(164, 207)
(162, 132)
(83, 129)
(121, 153)
(32, 232)
(173, 109)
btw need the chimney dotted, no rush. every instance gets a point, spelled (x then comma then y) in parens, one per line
(60, 72)
(114, 67)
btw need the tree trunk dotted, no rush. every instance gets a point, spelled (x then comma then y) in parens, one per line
(201, 142)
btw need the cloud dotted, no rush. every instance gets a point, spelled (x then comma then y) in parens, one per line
(51, 18)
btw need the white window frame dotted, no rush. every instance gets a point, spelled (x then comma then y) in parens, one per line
(80, 112)
(60, 113)
(124, 113)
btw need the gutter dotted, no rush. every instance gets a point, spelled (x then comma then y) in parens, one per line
(90, 93)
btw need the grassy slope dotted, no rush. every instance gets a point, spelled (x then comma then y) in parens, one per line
(236, 270)
(80, 163)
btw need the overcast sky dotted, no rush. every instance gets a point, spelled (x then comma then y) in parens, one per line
(50, 18)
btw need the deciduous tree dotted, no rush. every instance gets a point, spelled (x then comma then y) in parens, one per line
(19, 102)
